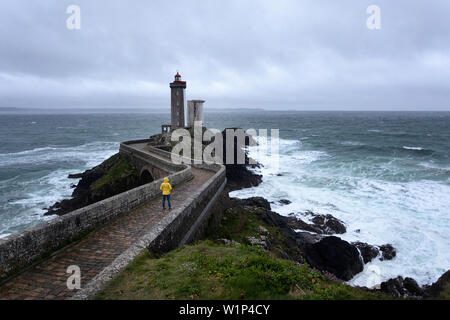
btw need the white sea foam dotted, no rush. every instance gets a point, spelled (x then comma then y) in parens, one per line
(43, 191)
(88, 153)
(412, 148)
(352, 143)
(413, 216)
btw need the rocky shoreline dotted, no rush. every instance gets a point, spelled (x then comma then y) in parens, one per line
(323, 250)
(313, 241)
(113, 176)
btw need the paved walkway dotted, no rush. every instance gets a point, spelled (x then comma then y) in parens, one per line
(47, 280)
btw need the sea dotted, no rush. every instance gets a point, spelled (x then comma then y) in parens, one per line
(386, 175)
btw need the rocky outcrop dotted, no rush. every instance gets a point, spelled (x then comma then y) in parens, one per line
(408, 287)
(328, 254)
(440, 289)
(387, 252)
(401, 287)
(113, 176)
(257, 202)
(284, 202)
(240, 176)
(160, 140)
(334, 255)
(368, 252)
(321, 224)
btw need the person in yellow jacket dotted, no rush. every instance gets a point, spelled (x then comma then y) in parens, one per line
(166, 188)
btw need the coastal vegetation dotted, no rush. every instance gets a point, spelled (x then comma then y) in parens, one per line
(113, 176)
(208, 270)
(234, 262)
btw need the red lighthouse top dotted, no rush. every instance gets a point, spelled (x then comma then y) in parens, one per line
(178, 78)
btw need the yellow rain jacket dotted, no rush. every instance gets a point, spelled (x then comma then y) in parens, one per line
(165, 187)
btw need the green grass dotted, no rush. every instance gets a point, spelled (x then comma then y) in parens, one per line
(120, 170)
(239, 224)
(208, 270)
(211, 270)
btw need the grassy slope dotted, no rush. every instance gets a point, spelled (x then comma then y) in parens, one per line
(210, 270)
(120, 170)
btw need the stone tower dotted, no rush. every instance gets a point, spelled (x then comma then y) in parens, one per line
(177, 102)
(195, 112)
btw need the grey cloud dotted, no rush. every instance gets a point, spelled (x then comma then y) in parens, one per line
(249, 53)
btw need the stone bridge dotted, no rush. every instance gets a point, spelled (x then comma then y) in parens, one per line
(102, 238)
(150, 168)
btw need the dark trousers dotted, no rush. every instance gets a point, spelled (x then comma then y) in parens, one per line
(164, 200)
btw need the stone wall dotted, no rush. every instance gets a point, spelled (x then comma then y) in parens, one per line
(22, 248)
(143, 161)
(191, 220)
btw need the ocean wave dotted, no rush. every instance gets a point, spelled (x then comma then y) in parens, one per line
(434, 166)
(31, 151)
(352, 143)
(25, 196)
(413, 148)
(309, 156)
(47, 148)
(411, 215)
(89, 153)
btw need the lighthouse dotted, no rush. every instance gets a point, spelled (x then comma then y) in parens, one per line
(177, 102)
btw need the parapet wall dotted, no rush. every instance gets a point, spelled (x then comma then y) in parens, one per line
(188, 223)
(22, 248)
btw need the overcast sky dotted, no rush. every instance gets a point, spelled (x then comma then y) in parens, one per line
(278, 54)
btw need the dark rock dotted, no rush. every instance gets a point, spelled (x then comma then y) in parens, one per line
(285, 201)
(162, 141)
(240, 176)
(412, 288)
(393, 287)
(321, 224)
(85, 194)
(305, 238)
(387, 252)
(75, 176)
(298, 224)
(329, 224)
(287, 246)
(399, 287)
(334, 255)
(328, 254)
(368, 252)
(440, 289)
(257, 202)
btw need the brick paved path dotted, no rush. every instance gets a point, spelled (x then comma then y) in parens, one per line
(47, 280)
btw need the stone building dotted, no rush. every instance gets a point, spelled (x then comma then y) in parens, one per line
(177, 106)
(195, 112)
(177, 102)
